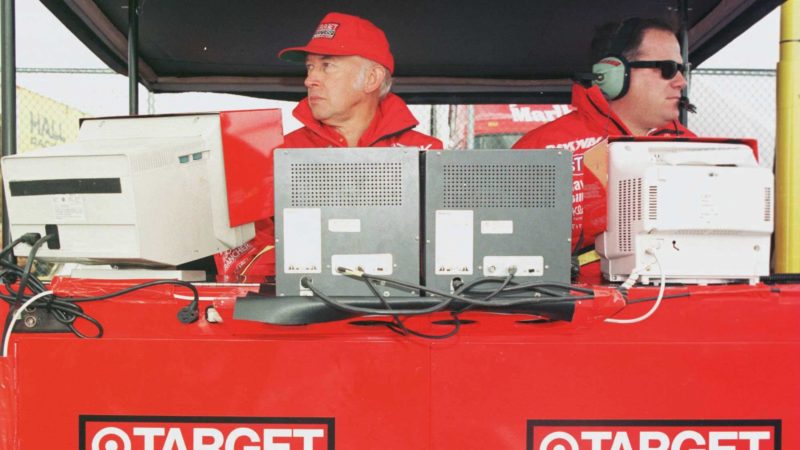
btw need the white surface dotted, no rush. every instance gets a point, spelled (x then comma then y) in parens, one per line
(454, 242)
(371, 264)
(302, 240)
(167, 212)
(525, 266)
(711, 223)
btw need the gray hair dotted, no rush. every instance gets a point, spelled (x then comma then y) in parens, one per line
(386, 85)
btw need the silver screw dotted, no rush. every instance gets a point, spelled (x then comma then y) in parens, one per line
(30, 321)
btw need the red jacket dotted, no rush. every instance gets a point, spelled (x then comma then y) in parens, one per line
(392, 126)
(591, 122)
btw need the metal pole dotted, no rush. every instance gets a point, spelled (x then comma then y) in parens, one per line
(9, 89)
(133, 57)
(683, 10)
(470, 127)
(787, 151)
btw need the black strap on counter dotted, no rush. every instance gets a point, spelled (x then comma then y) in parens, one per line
(302, 310)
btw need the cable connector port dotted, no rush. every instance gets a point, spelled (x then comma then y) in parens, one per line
(350, 272)
(30, 238)
(188, 314)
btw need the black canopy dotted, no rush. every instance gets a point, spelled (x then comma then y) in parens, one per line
(446, 51)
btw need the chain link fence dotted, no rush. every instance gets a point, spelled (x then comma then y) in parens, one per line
(736, 103)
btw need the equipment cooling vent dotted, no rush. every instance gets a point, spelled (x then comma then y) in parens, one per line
(346, 184)
(629, 210)
(499, 186)
(144, 161)
(652, 208)
(767, 204)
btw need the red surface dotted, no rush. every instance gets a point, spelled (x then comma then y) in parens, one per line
(723, 353)
(248, 139)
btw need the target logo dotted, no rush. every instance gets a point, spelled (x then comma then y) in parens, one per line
(111, 438)
(205, 433)
(654, 435)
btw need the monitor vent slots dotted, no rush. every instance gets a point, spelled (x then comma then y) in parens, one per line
(499, 186)
(630, 209)
(346, 184)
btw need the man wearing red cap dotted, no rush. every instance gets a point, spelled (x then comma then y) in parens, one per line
(349, 104)
(349, 75)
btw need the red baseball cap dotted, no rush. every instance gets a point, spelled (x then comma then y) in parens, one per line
(345, 35)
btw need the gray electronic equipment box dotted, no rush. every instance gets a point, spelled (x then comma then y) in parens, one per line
(489, 210)
(357, 208)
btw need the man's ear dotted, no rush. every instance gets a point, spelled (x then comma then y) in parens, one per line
(374, 78)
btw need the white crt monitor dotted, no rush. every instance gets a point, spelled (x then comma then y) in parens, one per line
(146, 191)
(703, 208)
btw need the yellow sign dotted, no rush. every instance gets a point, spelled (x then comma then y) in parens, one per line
(44, 122)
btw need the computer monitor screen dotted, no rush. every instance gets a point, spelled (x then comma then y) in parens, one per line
(147, 191)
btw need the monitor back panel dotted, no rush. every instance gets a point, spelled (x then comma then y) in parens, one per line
(489, 211)
(352, 208)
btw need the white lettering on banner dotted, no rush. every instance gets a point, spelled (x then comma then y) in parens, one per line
(526, 114)
(149, 436)
(200, 435)
(206, 438)
(578, 144)
(654, 440)
(577, 163)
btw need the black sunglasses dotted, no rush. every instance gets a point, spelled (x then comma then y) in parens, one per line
(668, 68)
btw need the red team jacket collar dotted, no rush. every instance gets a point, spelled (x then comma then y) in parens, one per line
(591, 103)
(392, 117)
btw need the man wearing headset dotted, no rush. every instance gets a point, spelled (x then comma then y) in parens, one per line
(636, 91)
(349, 104)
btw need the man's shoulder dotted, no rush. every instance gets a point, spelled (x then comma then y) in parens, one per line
(413, 138)
(569, 131)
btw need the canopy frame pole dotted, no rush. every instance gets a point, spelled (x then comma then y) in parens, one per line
(9, 102)
(787, 150)
(133, 57)
(683, 34)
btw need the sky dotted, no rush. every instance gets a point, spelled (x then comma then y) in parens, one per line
(43, 42)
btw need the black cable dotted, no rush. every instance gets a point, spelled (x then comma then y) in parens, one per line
(401, 328)
(308, 284)
(487, 304)
(460, 294)
(26, 273)
(23, 280)
(451, 333)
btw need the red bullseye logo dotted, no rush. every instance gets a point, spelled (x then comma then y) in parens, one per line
(559, 441)
(111, 438)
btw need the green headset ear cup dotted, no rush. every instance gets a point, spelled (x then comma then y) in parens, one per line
(612, 75)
